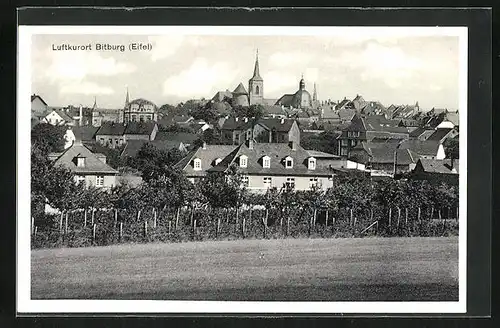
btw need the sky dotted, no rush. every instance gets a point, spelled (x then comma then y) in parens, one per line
(392, 70)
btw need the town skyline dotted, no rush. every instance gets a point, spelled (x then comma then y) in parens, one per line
(396, 70)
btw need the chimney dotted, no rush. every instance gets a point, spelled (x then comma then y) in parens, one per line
(250, 144)
(204, 146)
(293, 145)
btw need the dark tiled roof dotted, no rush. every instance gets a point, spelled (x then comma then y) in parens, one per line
(277, 124)
(235, 123)
(85, 133)
(141, 128)
(207, 157)
(440, 166)
(240, 89)
(439, 134)
(133, 146)
(276, 110)
(221, 95)
(111, 129)
(386, 155)
(285, 100)
(184, 137)
(323, 155)
(277, 153)
(92, 162)
(421, 147)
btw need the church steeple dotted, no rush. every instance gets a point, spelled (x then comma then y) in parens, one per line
(126, 98)
(256, 73)
(315, 94)
(302, 84)
(94, 107)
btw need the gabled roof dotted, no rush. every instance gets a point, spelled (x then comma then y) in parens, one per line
(322, 155)
(380, 124)
(422, 147)
(221, 95)
(277, 124)
(386, 155)
(184, 137)
(277, 153)
(92, 162)
(85, 133)
(62, 114)
(240, 90)
(34, 96)
(141, 128)
(439, 134)
(235, 123)
(442, 166)
(111, 129)
(207, 157)
(285, 100)
(132, 147)
(273, 110)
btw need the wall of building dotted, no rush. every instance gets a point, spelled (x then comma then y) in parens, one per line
(109, 180)
(110, 141)
(256, 182)
(137, 137)
(294, 134)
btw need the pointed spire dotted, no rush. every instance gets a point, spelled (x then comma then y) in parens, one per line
(315, 94)
(256, 73)
(95, 103)
(126, 98)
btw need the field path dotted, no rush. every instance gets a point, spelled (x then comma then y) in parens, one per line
(290, 269)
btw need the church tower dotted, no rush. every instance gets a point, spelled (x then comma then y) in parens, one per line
(121, 118)
(256, 85)
(315, 94)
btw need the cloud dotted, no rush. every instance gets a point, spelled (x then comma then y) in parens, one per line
(85, 88)
(75, 66)
(278, 83)
(200, 79)
(388, 64)
(283, 59)
(168, 45)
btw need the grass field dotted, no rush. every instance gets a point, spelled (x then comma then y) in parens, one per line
(369, 269)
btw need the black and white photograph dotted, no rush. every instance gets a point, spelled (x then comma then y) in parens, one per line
(228, 168)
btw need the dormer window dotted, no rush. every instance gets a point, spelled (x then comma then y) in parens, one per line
(311, 163)
(243, 161)
(266, 162)
(197, 164)
(80, 161)
(217, 161)
(288, 162)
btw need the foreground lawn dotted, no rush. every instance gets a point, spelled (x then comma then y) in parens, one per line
(423, 269)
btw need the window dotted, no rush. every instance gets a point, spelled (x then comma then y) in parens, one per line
(266, 162)
(197, 164)
(290, 183)
(343, 142)
(311, 164)
(353, 143)
(79, 179)
(134, 118)
(244, 180)
(148, 117)
(268, 181)
(141, 118)
(288, 162)
(353, 134)
(257, 90)
(243, 161)
(99, 181)
(313, 182)
(343, 152)
(116, 142)
(80, 161)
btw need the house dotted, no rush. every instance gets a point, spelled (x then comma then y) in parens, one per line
(186, 138)
(443, 134)
(437, 171)
(379, 157)
(111, 134)
(132, 147)
(85, 133)
(236, 130)
(88, 167)
(58, 117)
(175, 119)
(372, 108)
(273, 111)
(140, 110)
(428, 149)
(263, 165)
(367, 128)
(39, 107)
(140, 131)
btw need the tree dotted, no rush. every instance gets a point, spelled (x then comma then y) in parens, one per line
(48, 137)
(451, 147)
(154, 162)
(167, 109)
(325, 142)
